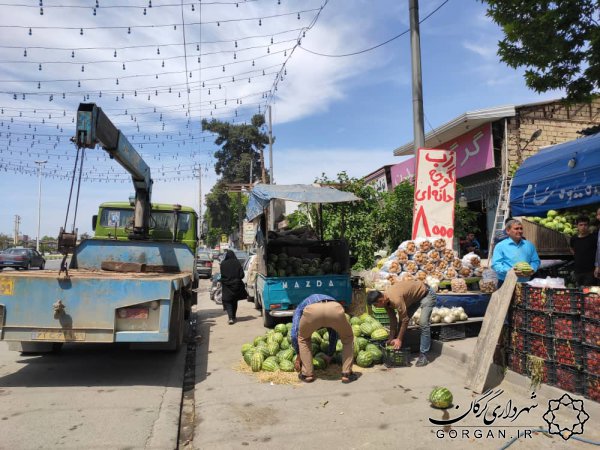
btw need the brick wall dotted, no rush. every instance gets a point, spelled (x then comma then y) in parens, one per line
(558, 122)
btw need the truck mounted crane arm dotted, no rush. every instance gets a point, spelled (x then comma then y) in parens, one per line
(95, 128)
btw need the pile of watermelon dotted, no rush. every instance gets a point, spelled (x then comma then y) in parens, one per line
(282, 265)
(273, 351)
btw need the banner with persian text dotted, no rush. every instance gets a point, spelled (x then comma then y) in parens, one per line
(435, 189)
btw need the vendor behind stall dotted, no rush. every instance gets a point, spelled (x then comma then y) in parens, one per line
(583, 247)
(513, 250)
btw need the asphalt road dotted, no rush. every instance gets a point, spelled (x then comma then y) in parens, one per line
(90, 397)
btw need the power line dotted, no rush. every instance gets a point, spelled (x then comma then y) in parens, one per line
(378, 45)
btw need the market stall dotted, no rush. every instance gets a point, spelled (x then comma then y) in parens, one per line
(553, 332)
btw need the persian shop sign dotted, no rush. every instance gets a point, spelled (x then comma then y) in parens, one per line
(435, 188)
(474, 153)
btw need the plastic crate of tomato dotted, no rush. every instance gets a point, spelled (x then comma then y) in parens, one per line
(591, 359)
(591, 331)
(569, 379)
(591, 386)
(538, 322)
(540, 346)
(566, 326)
(591, 305)
(568, 352)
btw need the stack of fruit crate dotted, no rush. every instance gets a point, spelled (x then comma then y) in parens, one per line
(591, 345)
(546, 339)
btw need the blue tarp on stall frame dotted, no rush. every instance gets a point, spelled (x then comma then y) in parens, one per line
(546, 181)
(261, 194)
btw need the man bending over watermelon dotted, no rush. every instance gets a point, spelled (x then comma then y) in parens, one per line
(405, 297)
(321, 311)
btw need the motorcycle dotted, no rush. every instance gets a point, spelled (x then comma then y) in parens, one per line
(215, 292)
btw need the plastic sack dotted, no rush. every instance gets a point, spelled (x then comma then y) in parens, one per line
(548, 282)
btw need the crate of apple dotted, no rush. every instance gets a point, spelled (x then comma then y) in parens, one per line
(565, 326)
(569, 379)
(540, 346)
(592, 359)
(568, 352)
(534, 298)
(517, 317)
(591, 304)
(517, 362)
(538, 322)
(517, 340)
(565, 300)
(591, 331)
(591, 386)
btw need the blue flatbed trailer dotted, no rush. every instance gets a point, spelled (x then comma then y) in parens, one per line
(92, 305)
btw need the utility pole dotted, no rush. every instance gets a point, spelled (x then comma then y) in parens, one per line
(417, 81)
(271, 146)
(200, 218)
(17, 222)
(40, 165)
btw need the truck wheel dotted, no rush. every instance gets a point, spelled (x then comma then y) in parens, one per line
(257, 300)
(268, 321)
(176, 326)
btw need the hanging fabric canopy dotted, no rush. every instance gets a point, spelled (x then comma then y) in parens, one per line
(562, 176)
(261, 194)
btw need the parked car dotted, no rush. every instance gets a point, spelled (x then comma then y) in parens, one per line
(215, 288)
(204, 264)
(250, 277)
(22, 258)
(241, 255)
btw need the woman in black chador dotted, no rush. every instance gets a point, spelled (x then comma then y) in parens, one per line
(232, 284)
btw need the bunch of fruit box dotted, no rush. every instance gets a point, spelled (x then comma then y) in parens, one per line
(548, 323)
(591, 343)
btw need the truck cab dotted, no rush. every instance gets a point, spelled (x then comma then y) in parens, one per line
(114, 221)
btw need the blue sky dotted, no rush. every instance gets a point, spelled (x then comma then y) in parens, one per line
(330, 114)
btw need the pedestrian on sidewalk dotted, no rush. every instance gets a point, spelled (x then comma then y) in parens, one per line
(404, 298)
(232, 284)
(321, 311)
(584, 247)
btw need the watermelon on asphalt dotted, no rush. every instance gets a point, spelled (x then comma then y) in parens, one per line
(441, 398)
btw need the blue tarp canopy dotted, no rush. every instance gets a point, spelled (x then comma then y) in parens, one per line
(547, 181)
(261, 194)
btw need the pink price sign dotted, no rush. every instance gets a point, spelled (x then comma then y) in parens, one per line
(435, 189)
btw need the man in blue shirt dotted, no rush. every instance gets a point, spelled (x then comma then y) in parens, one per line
(512, 250)
(319, 311)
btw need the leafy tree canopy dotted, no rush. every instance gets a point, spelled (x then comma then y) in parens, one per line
(240, 145)
(558, 42)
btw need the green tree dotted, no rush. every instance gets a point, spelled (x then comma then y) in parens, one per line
(240, 145)
(241, 149)
(558, 42)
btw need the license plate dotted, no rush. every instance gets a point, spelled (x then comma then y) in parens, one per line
(58, 335)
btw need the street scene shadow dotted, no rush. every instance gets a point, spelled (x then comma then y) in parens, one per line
(96, 365)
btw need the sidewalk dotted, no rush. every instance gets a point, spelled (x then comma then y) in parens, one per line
(385, 408)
